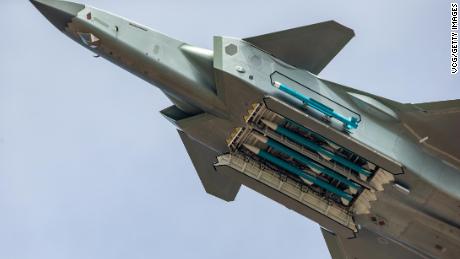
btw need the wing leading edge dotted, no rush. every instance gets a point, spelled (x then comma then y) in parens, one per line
(309, 47)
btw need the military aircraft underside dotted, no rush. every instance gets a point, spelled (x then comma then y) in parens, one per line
(381, 178)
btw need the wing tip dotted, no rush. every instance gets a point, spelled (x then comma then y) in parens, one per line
(342, 27)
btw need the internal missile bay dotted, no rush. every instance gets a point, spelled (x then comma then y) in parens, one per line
(307, 167)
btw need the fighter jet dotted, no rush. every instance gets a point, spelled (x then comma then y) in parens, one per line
(381, 178)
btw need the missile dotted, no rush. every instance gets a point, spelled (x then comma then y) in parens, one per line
(307, 143)
(264, 139)
(344, 201)
(316, 170)
(352, 190)
(328, 158)
(334, 146)
(349, 123)
(329, 145)
(296, 171)
(270, 124)
(253, 149)
(306, 161)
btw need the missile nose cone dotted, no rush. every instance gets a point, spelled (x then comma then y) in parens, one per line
(259, 137)
(59, 13)
(251, 148)
(270, 124)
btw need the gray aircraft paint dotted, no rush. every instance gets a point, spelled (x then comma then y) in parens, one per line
(178, 71)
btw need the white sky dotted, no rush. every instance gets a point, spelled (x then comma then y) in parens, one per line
(89, 168)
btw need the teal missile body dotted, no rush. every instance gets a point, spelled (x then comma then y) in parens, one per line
(307, 143)
(350, 123)
(305, 161)
(296, 171)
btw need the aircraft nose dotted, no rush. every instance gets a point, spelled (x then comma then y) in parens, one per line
(59, 13)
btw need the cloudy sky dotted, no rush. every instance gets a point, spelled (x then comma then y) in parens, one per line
(89, 168)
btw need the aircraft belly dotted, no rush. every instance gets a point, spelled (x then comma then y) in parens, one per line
(349, 160)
